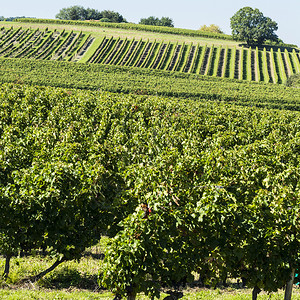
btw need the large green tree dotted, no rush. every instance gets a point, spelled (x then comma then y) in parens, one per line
(252, 26)
(73, 13)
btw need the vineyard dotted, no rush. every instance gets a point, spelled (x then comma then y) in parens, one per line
(120, 79)
(47, 44)
(243, 64)
(272, 66)
(184, 158)
(182, 187)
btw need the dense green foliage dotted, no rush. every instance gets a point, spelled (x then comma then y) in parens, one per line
(252, 26)
(164, 21)
(148, 82)
(77, 12)
(187, 174)
(57, 184)
(211, 28)
(293, 81)
(198, 187)
(223, 199)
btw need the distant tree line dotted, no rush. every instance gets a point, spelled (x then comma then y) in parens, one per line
(247, 24)
(12, 18)
(164, 21)
(80, 13)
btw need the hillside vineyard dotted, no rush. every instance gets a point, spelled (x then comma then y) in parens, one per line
(163, 162)
(46, 44)
(273, 65)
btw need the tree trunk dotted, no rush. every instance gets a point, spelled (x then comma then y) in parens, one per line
(7, 265)
(289, 287)
(255, 292)
(131, 296)
(42, 274)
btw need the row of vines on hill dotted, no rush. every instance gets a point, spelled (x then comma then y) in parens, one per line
(47, 44)
(148, 82)
(132, 26)
(239, 63)
(236, 63)
(182, 187)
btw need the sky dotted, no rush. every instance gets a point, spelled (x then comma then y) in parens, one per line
(189, 14)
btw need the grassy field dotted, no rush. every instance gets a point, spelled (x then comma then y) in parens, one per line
(78, 280)
(27, 294)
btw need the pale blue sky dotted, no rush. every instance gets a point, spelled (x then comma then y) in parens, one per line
(185, 13)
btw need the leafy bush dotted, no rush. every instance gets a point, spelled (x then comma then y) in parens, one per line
(293, 81)
(211, 28)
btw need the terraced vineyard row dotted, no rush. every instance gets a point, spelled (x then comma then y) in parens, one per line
(236, 63)
(142, 81)
(47, 45)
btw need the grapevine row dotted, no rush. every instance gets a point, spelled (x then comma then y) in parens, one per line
(148, 81)
(239, 63)
(37, 44)
(249, 64)
(182, 187)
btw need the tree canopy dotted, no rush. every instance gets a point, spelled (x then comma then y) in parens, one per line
(252, 26)
(80, 13)
(9, 19)
(164, 21)
(294, 80)
(114, 17)
(211, 28)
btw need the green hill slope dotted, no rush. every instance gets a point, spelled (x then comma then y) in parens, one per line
(204, 57)
(181, 147)
(244, 64)
(121, 79)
